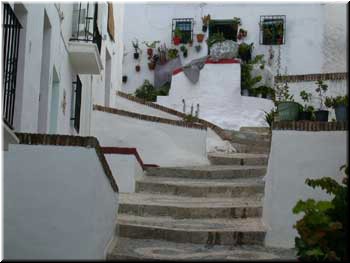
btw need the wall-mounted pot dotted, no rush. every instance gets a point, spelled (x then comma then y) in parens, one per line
(137, 68)
(125, 79)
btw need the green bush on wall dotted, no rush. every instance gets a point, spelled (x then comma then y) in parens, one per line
(148, 92)
(324, 227)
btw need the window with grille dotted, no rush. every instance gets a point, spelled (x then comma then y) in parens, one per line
(185, 25)
(226, 27)
(272, 30)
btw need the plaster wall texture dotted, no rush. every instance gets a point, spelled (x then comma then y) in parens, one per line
(30, 67)
(157, 143)
(128, 105)
(218, 93)
(335, 88)
(125, 169)
(58, 204)
(295, 156)
(307, 49)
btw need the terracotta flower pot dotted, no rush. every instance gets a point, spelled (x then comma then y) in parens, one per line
(137, 68)
(150, 52)
(177, 40)
(151, 65)
(200, 38)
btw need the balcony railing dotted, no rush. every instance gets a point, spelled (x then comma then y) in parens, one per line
(85, 24)
(10, 43)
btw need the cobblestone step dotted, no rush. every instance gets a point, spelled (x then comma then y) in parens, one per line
(242, 159)
(179, 207)
(208, 172)
(150, 249)
(196, 231)
(246, 187)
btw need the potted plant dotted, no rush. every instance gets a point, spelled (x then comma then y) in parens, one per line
(177, 36)
(287, 109)
(242, 34)
(245, 51)
(340, 106)
(321, 114)
(200, 37)
(184, 50)
(173, 53)
(205, 21)
(137, 68)
(150, 47)
(135, 44)
(307, 110)
(198, 48)
(125, 78)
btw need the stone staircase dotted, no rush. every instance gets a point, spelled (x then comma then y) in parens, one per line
(202, 212)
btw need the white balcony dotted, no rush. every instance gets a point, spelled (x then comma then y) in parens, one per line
(85, 57)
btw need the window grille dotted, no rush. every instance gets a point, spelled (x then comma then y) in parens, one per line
(77, 103)
(185, 25)
(10, 43)
(272, 30)
(226, 27)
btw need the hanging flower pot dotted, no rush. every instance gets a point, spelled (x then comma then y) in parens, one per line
(176, 40)
(200, 38)
(190, 43)
(136, 55)
(151, 65)
(280, 40)
(125, 79)
(185, 53)
(149, 52)
(204, 28)
(198, 48)
(137, 68)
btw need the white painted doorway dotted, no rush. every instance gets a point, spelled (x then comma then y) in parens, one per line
(44, 79)
(55, 97)
(108, 78)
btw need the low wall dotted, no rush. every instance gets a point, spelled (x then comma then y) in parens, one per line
(157, 143)
(58, 203)
(295, 156)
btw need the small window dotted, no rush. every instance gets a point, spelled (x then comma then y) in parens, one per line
(185, 25)
(226, 27)
(272, 30)
(77, 104)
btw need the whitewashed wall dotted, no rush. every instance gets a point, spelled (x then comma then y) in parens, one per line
(308, 48)
(295, 156)
(29, 72)
(218, 93)
(58, 204)
(125, 169)
(157, 143)
(335, 88)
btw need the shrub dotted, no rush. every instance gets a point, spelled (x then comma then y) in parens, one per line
(324, 226)
(149, 93)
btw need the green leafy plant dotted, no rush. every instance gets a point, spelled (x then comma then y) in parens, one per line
(183, 48)
(190, 118)
(146, 91)
(321, 90)
(206, 20)
(324, 227)
(270, 116)
(282, 92)
(215, 38)
(151, 44)
(177, 32)
(306, 97)
(247, 79)
(173, 53)
(333, 102)
(236, 21)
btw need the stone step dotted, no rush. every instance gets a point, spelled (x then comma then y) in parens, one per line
(148, 249)
(246, 148)
(208, 171)
(196, 231)
(179, 207)
(255, 129)
(246, 187)
(238, 159)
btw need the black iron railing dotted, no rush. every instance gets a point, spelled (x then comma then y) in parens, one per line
(85, 24)
(10, 43)
(77, 104)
